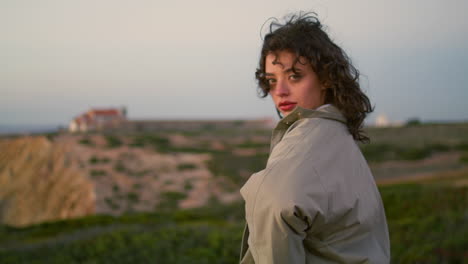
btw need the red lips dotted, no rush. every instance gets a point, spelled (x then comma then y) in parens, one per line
(287, 105)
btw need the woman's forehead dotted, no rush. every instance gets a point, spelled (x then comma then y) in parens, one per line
(285, 59)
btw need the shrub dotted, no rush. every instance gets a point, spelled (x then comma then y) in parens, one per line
(86, 141)
(413, 153)
(133, 197)
(413, 122)
(462, 146)
(160, 144)
(251, 144)
(377, 152)
(113, 141)
(170, 200)
(188, 185)
(112, 205)
(186, 166)
(51, 135)
(93, 160)
(384, 152)
(98, 173)
(464, 157)
(119, 167)
(231, 166)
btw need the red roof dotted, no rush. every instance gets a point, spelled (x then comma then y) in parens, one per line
(104, 112)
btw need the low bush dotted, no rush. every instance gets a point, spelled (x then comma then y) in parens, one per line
(170, 200)
(188, 185)
(95, 160)
(186, 166)
(385, 152)
(113, 141)
(98, 173)
(464, 157)
(86, 141)
(231, 166)
(120, 167)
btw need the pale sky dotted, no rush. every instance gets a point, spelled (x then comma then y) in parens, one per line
(196, 59)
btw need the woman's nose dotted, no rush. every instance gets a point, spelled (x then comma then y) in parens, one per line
(282, 88)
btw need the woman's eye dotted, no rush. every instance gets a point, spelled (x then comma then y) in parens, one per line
(295, 77)
(271, 81)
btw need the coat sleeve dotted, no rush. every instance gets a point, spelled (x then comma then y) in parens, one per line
(290, 201)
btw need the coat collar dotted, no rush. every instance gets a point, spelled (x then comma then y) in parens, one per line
(327, 112)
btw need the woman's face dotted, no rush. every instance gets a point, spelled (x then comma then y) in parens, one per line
(289, 89)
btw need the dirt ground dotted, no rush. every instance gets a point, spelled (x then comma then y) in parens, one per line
(136, 179)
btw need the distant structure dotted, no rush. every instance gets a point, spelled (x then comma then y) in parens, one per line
(115, 119)
(383, 121)
(98, 119)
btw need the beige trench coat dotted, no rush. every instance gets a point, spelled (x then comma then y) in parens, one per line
(316, 201)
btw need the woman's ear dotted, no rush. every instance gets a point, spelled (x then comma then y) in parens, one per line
(324, 86)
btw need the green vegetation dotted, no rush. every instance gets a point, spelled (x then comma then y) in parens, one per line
(415, 141)
(112, 204)
(95, 160)
(113, 141)
(413, 122)
(162, 144)
(462, 146)
(170, 200)
(427, 225)
(120, 167)
(133, 197)
(98, 173)
(464, 157)
(188, 185)
(236, 168)
(427, 221)
(159, 143)
(255, 145)
(51, 135)
(451, 135)
(186, 166)
(385, 152)
(86, 141)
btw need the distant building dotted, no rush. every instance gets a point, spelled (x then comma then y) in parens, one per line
(383, 121)
(98, 119)
(115, 119)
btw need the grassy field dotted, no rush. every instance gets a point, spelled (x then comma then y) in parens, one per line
(428, 223)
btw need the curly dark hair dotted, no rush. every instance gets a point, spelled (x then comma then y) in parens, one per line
(302, 34)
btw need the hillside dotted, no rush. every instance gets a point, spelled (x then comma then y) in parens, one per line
(173, 196)
(128, 172)
(40, 181)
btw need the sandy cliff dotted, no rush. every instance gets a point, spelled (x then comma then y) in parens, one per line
(40, 181)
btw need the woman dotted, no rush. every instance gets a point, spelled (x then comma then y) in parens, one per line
(316, 201)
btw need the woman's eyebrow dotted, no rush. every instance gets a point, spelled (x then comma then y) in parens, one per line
(285, 71)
